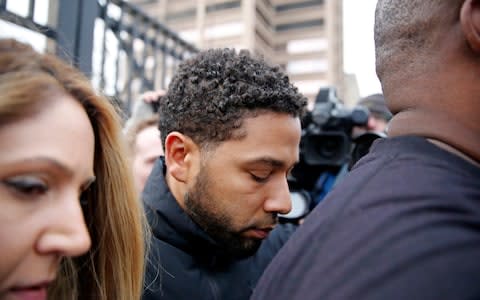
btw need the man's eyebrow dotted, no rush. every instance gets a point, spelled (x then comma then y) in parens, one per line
(269, 161)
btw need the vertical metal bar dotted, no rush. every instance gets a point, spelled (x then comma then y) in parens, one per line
(132, 60)
(173, 67)
(89, 12)
(177, 54)
(67, 29)
(155, 77)
(119, 49)
(103, 15)
(146, 43)
(31, 9)
(181, 54)
(3, 5)
(155, 57)
(164, 62)
(75, 26)
(128, 74)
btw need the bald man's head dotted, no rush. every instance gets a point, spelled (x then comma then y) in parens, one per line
(406, 31)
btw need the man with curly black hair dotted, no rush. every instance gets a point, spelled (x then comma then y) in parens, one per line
(231, 133)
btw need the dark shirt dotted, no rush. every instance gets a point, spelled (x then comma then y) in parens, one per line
(403, 224)
(186, 263)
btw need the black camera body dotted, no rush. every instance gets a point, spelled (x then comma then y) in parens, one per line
(326, 142)
(327, 151)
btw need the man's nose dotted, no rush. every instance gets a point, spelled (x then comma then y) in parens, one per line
(279, 200)
(66, 232)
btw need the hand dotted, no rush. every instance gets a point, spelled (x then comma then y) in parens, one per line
(152, 96)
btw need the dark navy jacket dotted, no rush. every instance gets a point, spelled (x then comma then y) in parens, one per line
(403, 224)
(185, 263)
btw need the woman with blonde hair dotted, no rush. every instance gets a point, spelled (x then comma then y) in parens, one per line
(71, 226)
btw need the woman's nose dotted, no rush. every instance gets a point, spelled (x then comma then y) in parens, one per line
(66, 232)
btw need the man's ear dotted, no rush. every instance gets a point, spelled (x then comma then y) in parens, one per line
(179, 154)
(470, 22)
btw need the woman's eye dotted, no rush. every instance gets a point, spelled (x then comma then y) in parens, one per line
(83, 199)
(86, 190)
(27, 185)
(84, 196)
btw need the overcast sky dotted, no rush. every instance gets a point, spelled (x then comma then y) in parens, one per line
(359, 53)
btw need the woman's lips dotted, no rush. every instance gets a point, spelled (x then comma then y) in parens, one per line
(32, 292)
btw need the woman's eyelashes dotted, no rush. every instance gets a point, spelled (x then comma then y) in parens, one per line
(86, 189)
(83, 198)
(27, 185)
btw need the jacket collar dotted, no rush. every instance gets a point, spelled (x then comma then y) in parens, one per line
(437, 126)
(171, 224)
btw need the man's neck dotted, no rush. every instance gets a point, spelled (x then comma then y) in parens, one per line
(441, 129)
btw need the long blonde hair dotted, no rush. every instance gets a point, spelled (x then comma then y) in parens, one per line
(114, 266)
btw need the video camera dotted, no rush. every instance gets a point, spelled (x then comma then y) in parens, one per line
(326, 144)
(326, 141)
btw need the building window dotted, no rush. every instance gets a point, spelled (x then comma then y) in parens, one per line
(182, 15)
(307, 66)
(225, 30)
(223, 5)
(299, 25)
(310, 86)
(307, 45)
(297, 5)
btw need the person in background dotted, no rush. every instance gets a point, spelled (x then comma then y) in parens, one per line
(71, 226)
(362, 137)
(144, 108)
(405, 222)
(379, 115)
(145, 145)
(376, 127)
(231, 130)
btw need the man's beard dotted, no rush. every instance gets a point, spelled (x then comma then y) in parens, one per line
(203, 209)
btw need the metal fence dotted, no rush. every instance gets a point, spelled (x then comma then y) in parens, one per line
(122, 49)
